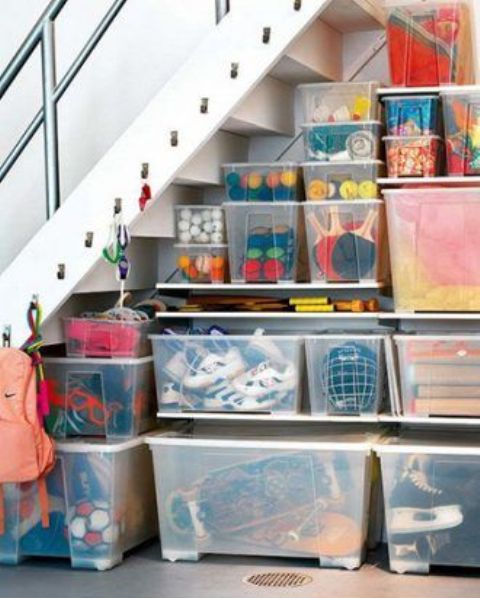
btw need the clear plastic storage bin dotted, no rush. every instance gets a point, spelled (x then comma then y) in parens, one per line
(262, 242)
(345, 373)
(440, 374)
(346, 241)
(91, 337)
(429, 43)
(340, 142)
(228, 373)
(339, 102)
(431, 486)
(276, 181)
(434, 248)
(410, 116)
(101, 504)
(342, 180)
(200, 225)
(296, 497)
(100, 397)
(462, 132)
(202, 263)
(413, 156)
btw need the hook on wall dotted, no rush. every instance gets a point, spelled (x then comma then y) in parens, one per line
(297, 5)
(267, 31)
(89, 239)
(6, 336)
(204, 105)
(61, 271)
(117, 207)
(145, 170)
(234, 70)
(174, 138)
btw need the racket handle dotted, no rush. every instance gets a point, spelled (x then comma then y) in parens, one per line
(317, 227)
(354, 306)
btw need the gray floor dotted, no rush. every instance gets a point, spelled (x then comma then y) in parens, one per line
(144, 575)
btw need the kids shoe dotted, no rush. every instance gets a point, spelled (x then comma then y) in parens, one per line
(213, 368)
(265, 379)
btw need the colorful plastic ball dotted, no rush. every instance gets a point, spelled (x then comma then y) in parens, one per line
(317, 190)
(368, 190)
(252, 270)
(237, 193)
(244, 181)
(191, 272)
(183, 262)
(254, 253)
(255, 180)
(288, 178)
(273, 269)
(349, 190)
(273, 179)
(283, 193)
(216, 238)
(265, 194)
(275, 253)
(232, 179)
(218, 261)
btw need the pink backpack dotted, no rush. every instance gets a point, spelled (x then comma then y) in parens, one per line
(27, 452)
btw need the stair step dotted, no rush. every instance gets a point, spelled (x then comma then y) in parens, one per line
(268, 110)
(348, 16)
(205, 168)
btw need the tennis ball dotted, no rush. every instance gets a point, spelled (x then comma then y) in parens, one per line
(273, 179)
(368, 189)
(254, 180)
(183, 262)
(288, 178)
(317, 190)
(232, 179)
(349, 190)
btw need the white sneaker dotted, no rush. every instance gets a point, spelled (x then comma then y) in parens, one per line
(265, 379)
(213, 368)
(407, 520)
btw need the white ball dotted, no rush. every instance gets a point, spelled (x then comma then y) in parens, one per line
(216, 238)
(206, 215)
(203, 237)
(207, 227)
(217, 226)
(196, 219)
(186, 214)
(185, 237)
(183, 225)
(78, 527)
(98, 520)
(216, 214)
(195, 230)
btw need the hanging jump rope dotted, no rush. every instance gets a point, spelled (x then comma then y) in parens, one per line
(114, 251)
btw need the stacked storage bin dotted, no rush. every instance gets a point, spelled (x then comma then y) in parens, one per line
(343, 215)
(262, 221)
(100, 494)
(200, 248)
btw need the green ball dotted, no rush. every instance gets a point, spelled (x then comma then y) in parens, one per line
(275, 253)
(232, 179)
(254, 253)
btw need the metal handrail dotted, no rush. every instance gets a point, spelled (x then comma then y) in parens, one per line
(44, 32)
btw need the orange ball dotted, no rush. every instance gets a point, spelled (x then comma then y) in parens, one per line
(183, 262)
(192, 273)
(273, 179)
(217, 262)
(254, 180)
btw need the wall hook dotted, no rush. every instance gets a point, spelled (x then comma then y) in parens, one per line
(6, 336)
(174, 138)
(266, 35)
(234, 70)
(204, 105)
(89, 239)
(117, 206)
(144, 171)
(61, 271)
(297, 5)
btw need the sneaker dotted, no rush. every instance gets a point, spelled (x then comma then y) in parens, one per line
(265, 379)
(214, 367)
(409, 520)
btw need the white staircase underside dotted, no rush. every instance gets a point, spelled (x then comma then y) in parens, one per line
(206, 74)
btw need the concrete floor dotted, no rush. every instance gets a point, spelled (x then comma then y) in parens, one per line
(144, 575)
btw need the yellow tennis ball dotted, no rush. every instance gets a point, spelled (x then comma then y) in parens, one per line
(288, 178)
(254, 180)
(349, 190)
(183, 262)
(317, 190)
(368, 190)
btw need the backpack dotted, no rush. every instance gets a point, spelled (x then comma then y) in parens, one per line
(27, 452)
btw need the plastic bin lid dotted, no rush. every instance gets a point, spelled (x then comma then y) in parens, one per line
(252, 165)
(363, 123)
(93, 361)
(454, 191)
(197, 206)
(431, 443)
(334, 85)
(232, 439)
(345, 163)
(440, 336)
(346, 336)
(406, 138)
(97, 445)
(461, 90)
(410, 97)
(200, 246)
(325, 205)
(226, 337)
(274, 205)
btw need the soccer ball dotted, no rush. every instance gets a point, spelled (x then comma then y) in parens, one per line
(91, 525)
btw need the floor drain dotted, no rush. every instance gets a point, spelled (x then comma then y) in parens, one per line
(278, 580)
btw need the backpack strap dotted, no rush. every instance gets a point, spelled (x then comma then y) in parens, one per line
(2, 511)
(43, 500)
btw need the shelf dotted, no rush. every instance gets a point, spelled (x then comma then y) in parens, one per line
(438, 180)
(430, 421)
(308, 286)
(280, 315)
(389, 91)
(428, 316)
(267, 417)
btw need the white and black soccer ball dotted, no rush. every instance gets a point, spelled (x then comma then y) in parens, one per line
(91, 525)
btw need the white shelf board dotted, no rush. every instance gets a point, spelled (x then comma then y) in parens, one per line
(281, 315)
(264, 417)
(389, 91)
(430, 421)
(428, 316)
(270, 287)
(438, 180)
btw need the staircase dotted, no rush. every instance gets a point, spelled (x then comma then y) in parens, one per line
(257, 53)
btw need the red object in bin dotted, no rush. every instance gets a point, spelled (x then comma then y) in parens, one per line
(103, 338)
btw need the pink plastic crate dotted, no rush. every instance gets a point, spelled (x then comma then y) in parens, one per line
(87, 337)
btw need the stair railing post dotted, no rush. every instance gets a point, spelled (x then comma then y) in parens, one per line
(52, 178)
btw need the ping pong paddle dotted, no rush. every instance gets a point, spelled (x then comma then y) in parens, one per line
(325, 242)
(354, 254)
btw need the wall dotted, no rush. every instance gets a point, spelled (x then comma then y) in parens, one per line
(142, 49)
